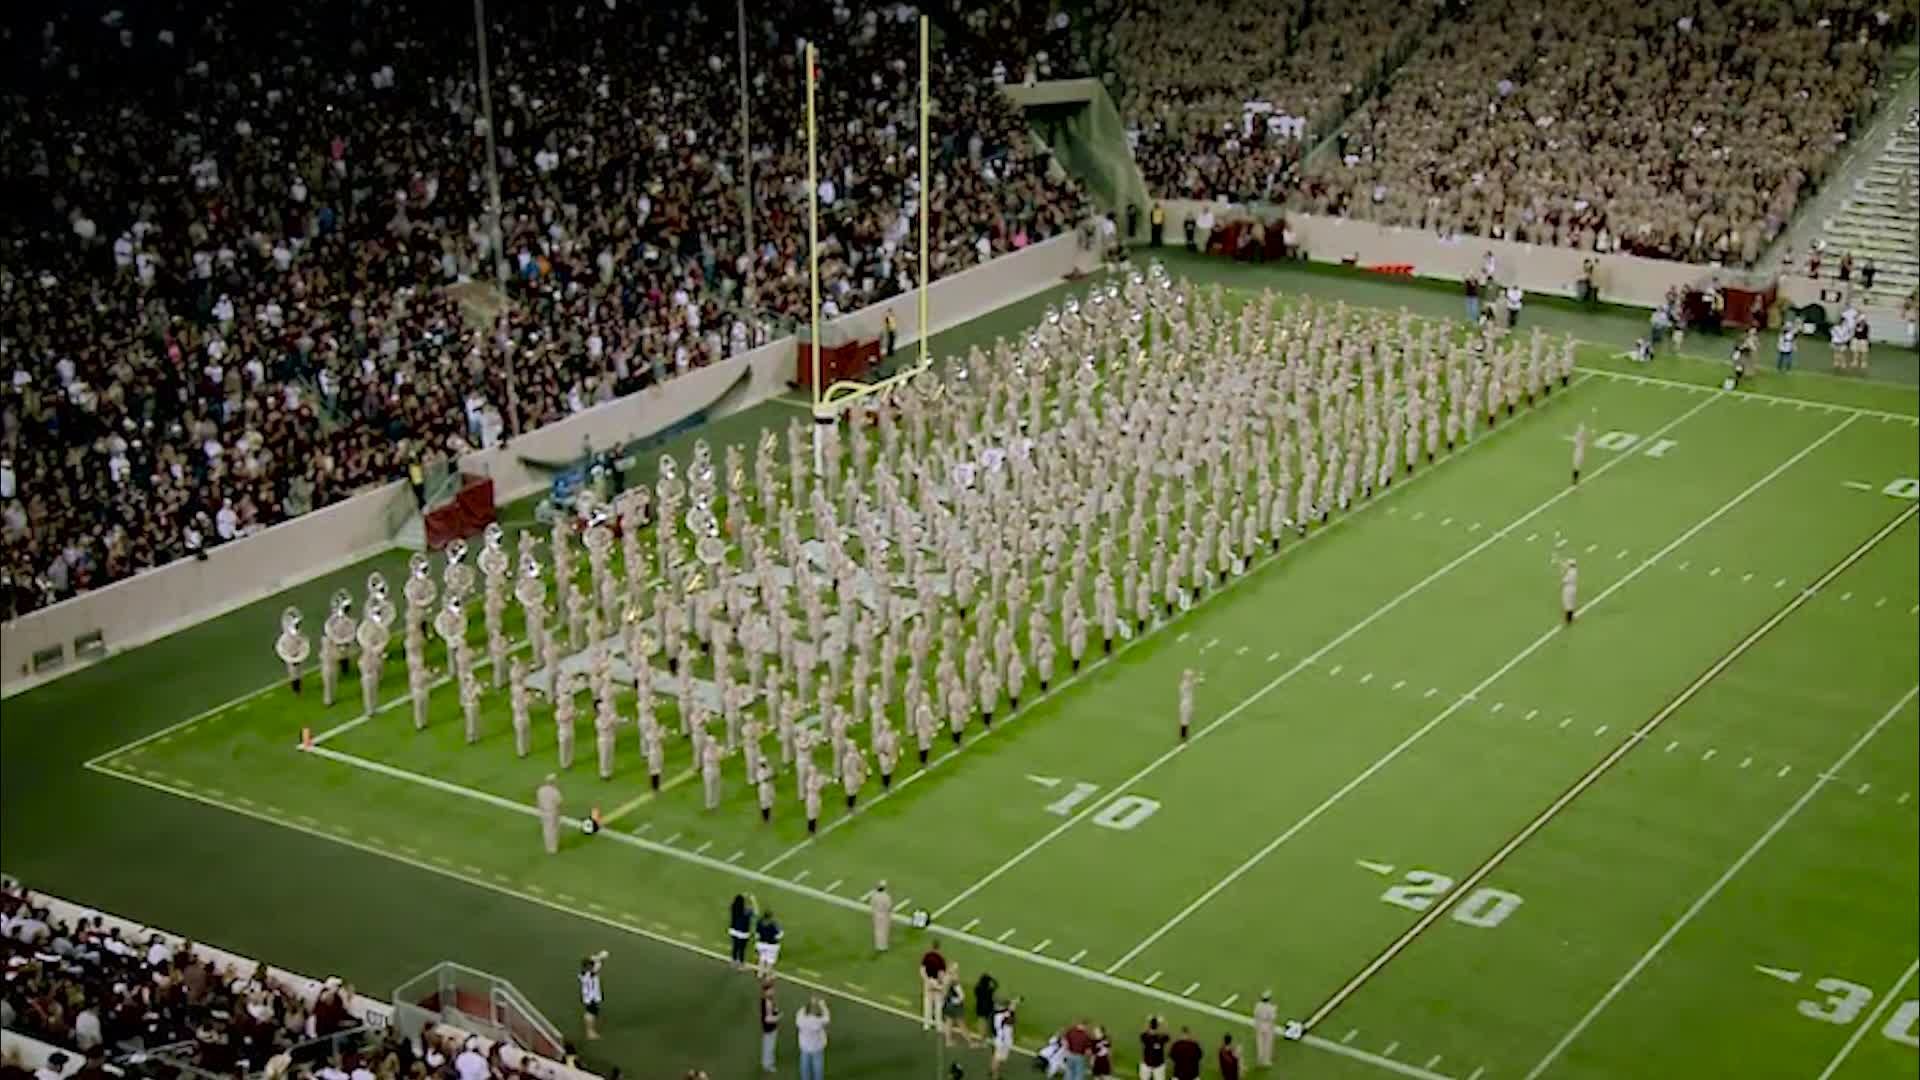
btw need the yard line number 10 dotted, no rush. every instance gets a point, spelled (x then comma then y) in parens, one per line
(1123, 813)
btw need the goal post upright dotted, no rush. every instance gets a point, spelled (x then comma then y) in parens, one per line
(821, 417)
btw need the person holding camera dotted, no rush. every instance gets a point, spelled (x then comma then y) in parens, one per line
(590, 995)
(811, 1024)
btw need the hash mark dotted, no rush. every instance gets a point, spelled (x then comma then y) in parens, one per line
(1075, 958)
(1335, 673)
(1781, 584)
(1432, 1061)
(1188, 992)
(1498, 705)
(1715, 572)
(1241, 651)
(1042, 947)
(1591, 548)
(1391, 1047)
(1784, 770)
(1531, 537)
(1746, 761)
(1902, 800)
(1151, 979)
(1599, 731)
(737, 856)
(1431, 691)
(1351, 1034)
(704, 845)
(1475, 1075)
(1005, 934)
(1446, 522)
(834, 884)
(1621, 555)
(1531, 713)
(1400, 684)
(1864, 788)
(1566, 722)
(1272, 658)
(971, 923)
(1846, 596)
(1231, 998)
(1708, 756)
(1367, 678)
(1672, 746)
(802, 876)
(1184, 635)
(671, 839)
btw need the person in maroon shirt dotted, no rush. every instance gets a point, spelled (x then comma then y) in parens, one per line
(1153, 1051)
(1079, 1043)
(1229, 1058)
(933, 973)
(1186, 1056)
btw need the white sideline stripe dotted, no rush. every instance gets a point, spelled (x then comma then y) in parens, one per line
(1713, 890)
(525, 896)
(1120, 789)
(1455, 705)
(1654, 380)
(1872, 1019)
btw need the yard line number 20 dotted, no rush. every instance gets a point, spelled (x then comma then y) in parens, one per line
(1484, 908)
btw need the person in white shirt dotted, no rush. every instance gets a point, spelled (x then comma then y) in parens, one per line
(1783, 359)
(811, 1024)
(590, 996)
(1514, 298)
(470, 1064)
(1003, 1018)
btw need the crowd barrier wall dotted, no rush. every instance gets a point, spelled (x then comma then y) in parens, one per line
(1632, 280)
(162, 600)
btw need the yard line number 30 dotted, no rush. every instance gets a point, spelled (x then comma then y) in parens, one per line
(1843, 1001)
(1484, 908)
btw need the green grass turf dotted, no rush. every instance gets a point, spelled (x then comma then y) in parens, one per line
(1248, 875)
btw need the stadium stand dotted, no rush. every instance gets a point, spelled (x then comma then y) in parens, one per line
(120, 1000)
(1669, 129)
(1878, 221)
(215, 323)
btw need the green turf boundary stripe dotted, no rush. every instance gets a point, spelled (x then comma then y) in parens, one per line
(665, 938)
(1626, 745)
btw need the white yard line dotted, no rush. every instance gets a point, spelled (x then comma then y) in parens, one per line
(1014, 951)
(387, 706)
(1439, 718)
(526, 896)
(1097, 662)
(1654, 380)
(1593, 775)
(1873, 1018)
(1300, 665)
(1720, 883)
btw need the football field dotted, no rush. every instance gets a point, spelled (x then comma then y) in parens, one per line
(1453, 837)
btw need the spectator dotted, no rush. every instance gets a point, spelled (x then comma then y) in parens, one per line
(1187, 1056)
(769, 1025)
(811, 1024)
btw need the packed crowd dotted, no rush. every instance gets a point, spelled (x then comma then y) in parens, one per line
(1670, 129)
(1224, 98)
(124, 1008)
(82, 985)
(226, 298)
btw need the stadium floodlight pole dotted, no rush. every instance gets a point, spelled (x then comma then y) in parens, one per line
(493, 200)
(746, 171)
(820, 417)
(926, 193)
